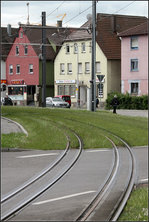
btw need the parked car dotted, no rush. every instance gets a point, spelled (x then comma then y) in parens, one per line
(66, 98)
(6, 101)
(56, 102)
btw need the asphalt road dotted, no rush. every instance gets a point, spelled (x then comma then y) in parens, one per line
(73, 192)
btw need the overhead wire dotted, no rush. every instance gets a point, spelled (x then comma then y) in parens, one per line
(81, 13)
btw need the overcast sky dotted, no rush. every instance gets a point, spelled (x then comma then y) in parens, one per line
(13, 12)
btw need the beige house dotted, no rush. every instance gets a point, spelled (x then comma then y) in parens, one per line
(73, 63)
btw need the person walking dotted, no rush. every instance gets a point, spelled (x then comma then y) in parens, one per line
(97, 102)
(115, 103)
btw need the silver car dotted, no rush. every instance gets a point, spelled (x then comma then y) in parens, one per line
(56, 102)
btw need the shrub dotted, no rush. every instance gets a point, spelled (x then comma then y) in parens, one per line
(127, 101)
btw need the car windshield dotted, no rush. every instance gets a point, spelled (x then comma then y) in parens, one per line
(57, 99)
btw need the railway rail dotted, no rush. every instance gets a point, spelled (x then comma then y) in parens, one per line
(36, 186)
(95, 208)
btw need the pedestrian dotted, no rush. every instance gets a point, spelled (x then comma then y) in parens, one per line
(97, 102)
(115, 103)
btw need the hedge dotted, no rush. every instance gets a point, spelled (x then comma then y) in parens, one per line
(127, 101)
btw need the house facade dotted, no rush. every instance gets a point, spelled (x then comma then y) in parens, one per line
(7, 42)
(22, 70)
(134, 53)
(24, 65)
(73, 64)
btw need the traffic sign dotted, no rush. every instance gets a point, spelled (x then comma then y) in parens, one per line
(100, 77)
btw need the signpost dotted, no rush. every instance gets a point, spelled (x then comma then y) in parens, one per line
(100, 77)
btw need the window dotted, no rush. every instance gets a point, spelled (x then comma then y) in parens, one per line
(75, 48)
(17, 50)
(67, 49)
(25, 50)
(79, 68)
(134, 64)
(72, 90)
(69, 68)
(134, 88)
(87, 67)
(60, 90)
(67, 90)
(15, 90)
(134, 42)
(98, 67)
(83, 46)
(21, 34)
(30, 68)
(17, 69)
(62, 68)
(10, 69)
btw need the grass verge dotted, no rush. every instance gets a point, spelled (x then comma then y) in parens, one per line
(136, 208)
(47, 128)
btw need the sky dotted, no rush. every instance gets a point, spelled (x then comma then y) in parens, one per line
(13, 12)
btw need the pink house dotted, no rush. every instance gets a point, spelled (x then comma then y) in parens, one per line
(22, 70)
(134, 60)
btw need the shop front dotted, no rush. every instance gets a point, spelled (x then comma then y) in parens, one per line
(20, 93)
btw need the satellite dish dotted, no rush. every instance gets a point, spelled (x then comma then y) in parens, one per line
(89, 17)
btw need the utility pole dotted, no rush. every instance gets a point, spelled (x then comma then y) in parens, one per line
(93, 81)
(43, 60)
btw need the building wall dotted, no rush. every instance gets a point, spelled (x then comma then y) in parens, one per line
(140, 76)
(114, 76)
(3, 69)
(23, 61)
(83, 79)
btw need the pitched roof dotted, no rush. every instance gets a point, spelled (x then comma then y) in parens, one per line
(53, 34)
(108, 27)
(7, 41)
(137, 30)
(80, 34)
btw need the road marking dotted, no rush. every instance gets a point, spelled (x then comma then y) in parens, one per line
(64, 197)
(92, 151)
(37, 155)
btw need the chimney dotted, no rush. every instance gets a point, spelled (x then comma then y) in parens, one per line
(9, 29)
(113, 23)
(59, 23)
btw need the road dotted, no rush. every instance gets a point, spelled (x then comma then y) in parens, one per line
(65, 200)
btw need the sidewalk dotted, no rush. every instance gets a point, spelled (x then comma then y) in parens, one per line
(10, 126)
(128, 112)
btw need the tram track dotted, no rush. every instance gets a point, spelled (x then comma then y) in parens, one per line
(14, 202)
(99, 199)
(123, 197)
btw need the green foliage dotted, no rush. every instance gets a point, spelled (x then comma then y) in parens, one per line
(47, 128)
(126, 101)
(136, 208)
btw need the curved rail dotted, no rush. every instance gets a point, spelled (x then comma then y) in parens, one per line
(16, 209)
(123, 198)
(90, 208)
(42, 173)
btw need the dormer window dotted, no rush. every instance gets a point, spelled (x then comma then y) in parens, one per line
(17, 50)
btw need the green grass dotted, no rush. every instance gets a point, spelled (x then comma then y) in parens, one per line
(136, 208)
(47, 128)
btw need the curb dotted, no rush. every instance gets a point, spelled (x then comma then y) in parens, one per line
(19, 125)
